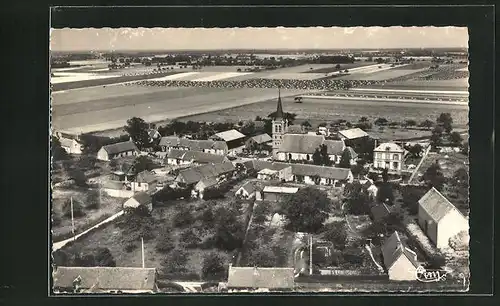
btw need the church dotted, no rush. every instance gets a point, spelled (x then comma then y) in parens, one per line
(288, 146)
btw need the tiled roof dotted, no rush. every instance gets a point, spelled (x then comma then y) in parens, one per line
(271, 278)
(352, 153)
(321, 171)
(249, 187)
(334, 147)
(389, 146)
(195, 174)
(145, 177)
(353, 133)
(169, 141)
(142, 198)
(276, 189)
(301, 143)
(229, 135)
(262, 138)
(120, 147)
(192, 144)
(207, 182)
(436, 205)
(393, 248)
(106, 278)
(196, 156)
(259, 165)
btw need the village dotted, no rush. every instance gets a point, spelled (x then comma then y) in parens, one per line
(259, 205)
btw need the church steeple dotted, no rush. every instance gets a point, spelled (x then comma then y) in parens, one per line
(279, 109)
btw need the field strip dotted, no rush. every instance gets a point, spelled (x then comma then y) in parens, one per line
(65, 69)
(463, 69)
(221, 76)
(411, 91)
(65, 77)
(174, 76)
(383, 99)
(98, 70)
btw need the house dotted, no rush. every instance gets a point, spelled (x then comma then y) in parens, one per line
(301, 147)
(207, 146)
(120, 149)
(379, 212)
(276, 171)
(202, 185)
(275, 193)
(182, 157)
(389, 156)
(255, 278)
(144, 181)
(439, 218)
(321, 175)
(139, 199)
(353, 156)
(259, 142)
(153, 135)
(351, 134)
(247, 191)
(400, 261)
(104, 279)
(233, 139)
(323, 130)
(117, 189)
(71, 146)
(191, 176)
(125, 173)
(369, 187)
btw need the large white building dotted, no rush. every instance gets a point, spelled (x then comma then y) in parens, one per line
(388, 156)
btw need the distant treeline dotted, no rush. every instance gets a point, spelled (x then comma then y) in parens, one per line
(335, 59)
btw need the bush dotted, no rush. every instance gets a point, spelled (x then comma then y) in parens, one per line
(436, 261)
(336, 233)
(190, 239)
(93, 199)
(165, 242)
(184, 216)
(261, 212)
(175, 262)
(78, 210)
(212, 266)
(354, 257)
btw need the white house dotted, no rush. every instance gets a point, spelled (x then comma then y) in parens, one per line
(71, 146)
(276, 171)
(389, 156)
(247, 191)
(301, 147)
(321, 175)
(440, 219)
(144, 181)
(275, 193)
(120, 149)
(200, 187)
(183, 157)
(400, 261)
(139, 199)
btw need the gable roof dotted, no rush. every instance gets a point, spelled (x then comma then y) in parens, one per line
(389, 146)
(192, 144)
(259, 165)
(142, 198)
(301, 143)
(380, 211)
(352, 153)
(195, 174)
(145, 177)
(196, 156)
(229, 135)
(253, 277)
(249, 187)
(169, 141)
(277, 189)
(436, 205)
(262, 138)
(207, 182)
(334, 147)
(321, 171)
(108, 278)
(353, 133)
(120, 147)
(393, 248)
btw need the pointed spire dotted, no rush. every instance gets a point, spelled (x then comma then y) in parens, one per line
(279, 110)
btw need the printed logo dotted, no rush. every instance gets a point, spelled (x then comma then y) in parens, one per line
(430, 275)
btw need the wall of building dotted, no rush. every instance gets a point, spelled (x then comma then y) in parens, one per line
(380, 159)
(452, 224)
(136, 187)
(102, 155)
(402, 270)
(431, 232)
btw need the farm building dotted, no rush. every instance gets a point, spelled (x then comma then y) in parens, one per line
(207, 146)
(139, 199)
(351, 134)
(439, 218)
(233, 139)
(144, 181)
(320, 175)
(280, 172)
(389, 156)
(117, 189)
(183, 157)
(400, 261)
(258, 143)
(275, 194)
(191, 176)
(104, 279)
(301, 147)
(71, 146)
(200, 187)
(124, 174)
(353, 156)
(121, 149)
(247, 191)
(254, 278)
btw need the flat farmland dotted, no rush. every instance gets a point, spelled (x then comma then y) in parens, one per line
(319, 110)
(382, 75)
(331, 67)
(445, 85)
(92, 109)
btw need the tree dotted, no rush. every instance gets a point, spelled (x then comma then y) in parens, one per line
(98, 257)
(165, 242)
(356, 199)
(410, 122)
(93, 199)
(337, 66)
(261, 257)
(336, 233)
(434, 177)
(86, 162)
(58, 153)
(437, 134)
(143, 163)
(189, 238)
(261, 212)
(184, 216)
(78, 210)
(287, 116)
(465, 148)
(306, 124)
(416, 150)
(428, 124)
(229, 230)
(345, 159)
(78, 176)
(138, 131)
(381, 121)
(175, 262)
(445, 120)
(461, 177)
(306, 210)
(456, 139)
(212, 266)
(385, 194)
(411, 195)
(363, 119)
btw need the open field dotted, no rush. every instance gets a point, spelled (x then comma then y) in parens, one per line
(445, 85)
(386, 74)
(157, 105)
(331, 67)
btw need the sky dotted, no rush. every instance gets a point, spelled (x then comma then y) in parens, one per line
(107, 39)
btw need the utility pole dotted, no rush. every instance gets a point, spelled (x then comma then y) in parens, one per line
(310, 254)
(72, 219)
(142, 251)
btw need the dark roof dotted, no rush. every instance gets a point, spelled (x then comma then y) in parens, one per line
(393, 248)
(116, 185)
(107, 278)
(196, 156)
(279, 108)
(196, 174)
(352, 153)
(192, 144)
(436, 205)
(120, 147)
(334, 147)
(321, 171)
(145, 177)
(262, 138)
(380, 211)
(250, 277)
(249, 187)
(142, 198)
(301, 143)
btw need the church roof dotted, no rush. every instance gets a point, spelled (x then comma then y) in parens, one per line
(279, 109)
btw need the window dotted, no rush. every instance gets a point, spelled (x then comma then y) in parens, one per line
(395, 156)
(307, 156)
(289, 155)
(395, 165)
(387, 165)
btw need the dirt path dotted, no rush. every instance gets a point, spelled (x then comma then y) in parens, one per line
(419, 164)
